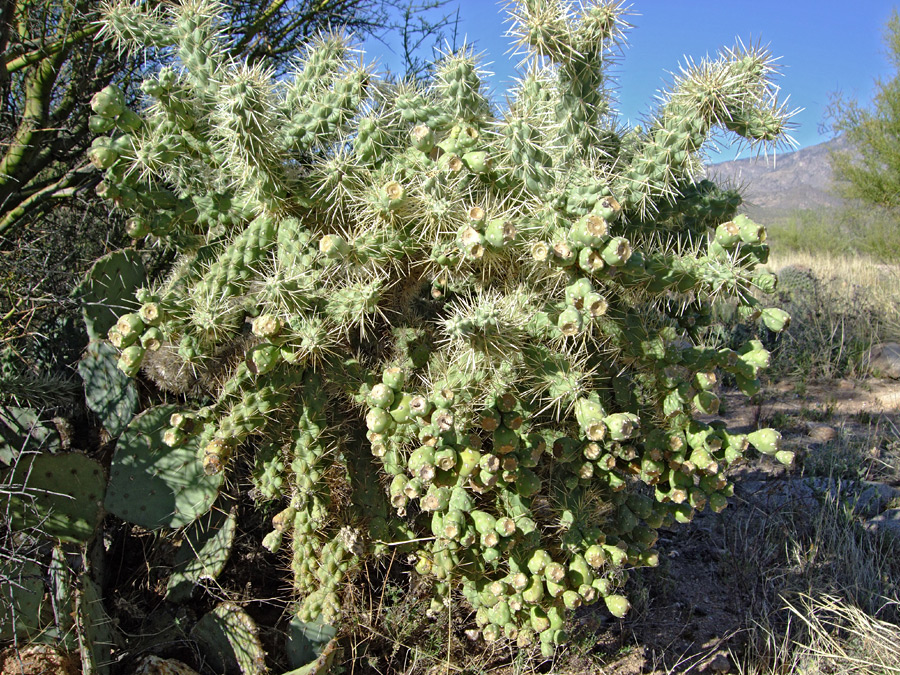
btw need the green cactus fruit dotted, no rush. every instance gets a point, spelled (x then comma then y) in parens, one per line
(750, 232)
(152, 339)
(570, 322)
(130, 359)
(203, 553)
(60, 495)
(617, 605)
(589, 230)
(622, 426)
(767, 441)
(422, 138)
(500, 233)
(129, 121)
(590, 415)
(109, 392)
(108, 102)
(728, 234)
(152, 485)
(786, 457)
(379, 421)
(103, 157)
(775, 319)
(99, 124)
(617, 252)
(229, 638)
(380, 396)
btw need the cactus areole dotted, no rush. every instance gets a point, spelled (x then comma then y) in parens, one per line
(492, 325)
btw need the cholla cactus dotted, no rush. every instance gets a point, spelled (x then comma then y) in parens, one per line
(510, 305)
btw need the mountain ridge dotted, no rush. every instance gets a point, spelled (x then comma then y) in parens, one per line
(774, 185)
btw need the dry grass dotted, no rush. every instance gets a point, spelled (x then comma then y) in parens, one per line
(826, 634)
(825, 592)
(856, 306)
(849, 277)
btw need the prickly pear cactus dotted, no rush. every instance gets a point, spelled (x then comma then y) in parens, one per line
(108, 290)
(21, 599)
(152, 484)
(512, 305)
(60, 495)
(111, 394)
(228, 637)
(203, 553)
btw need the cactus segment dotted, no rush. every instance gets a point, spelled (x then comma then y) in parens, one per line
(172, 488)
(111, 282)
(203, 553)
(22, 431)
(228, 637)
(61, 495)
(311, 647)
(22, 600)
(108, 391)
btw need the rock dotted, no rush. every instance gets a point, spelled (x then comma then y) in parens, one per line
(32, 659)
(885, 360)
(822, 433)
(874, 497)
(867, 498)
(154, 665)
(885, 523)
(774, 495)
(889, 400)
(720, 664)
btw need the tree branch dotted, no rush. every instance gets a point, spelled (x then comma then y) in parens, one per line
(66, 186)
(25, 60)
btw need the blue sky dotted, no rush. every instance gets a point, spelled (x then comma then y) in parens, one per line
(824, 46)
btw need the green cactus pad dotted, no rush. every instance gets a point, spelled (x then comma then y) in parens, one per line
(108, 391)
(310, 647)
(229, 639)
(62, 495)
(21, 598)
(203, 553)
(153, 485)
(21, 431)
(96, 631)
(108, 289)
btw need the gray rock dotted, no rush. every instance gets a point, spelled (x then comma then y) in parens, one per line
(885, 523)
(867, 498)
(885, 360)
(776, 495)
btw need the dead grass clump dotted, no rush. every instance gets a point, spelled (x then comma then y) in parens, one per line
(825, 593)
(855, 307)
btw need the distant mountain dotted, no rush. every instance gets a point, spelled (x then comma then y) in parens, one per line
(772, 186)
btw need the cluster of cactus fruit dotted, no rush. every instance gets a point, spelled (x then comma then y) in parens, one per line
(501, 314)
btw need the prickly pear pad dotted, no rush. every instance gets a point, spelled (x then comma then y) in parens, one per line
(61, 495)
(153, 485)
